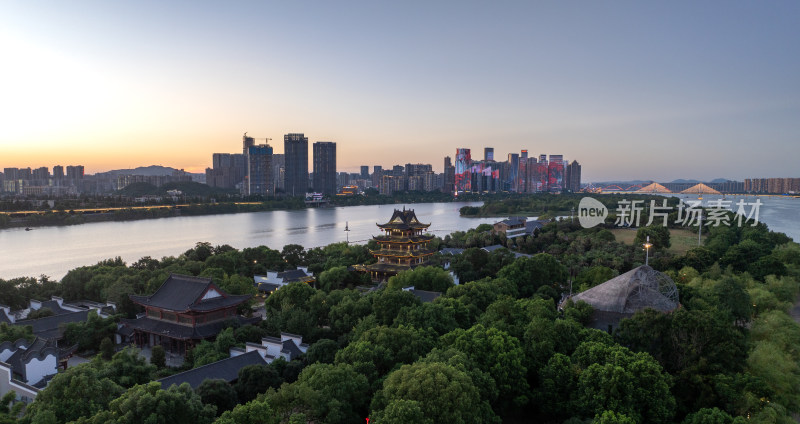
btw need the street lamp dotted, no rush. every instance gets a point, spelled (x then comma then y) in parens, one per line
(647, 246)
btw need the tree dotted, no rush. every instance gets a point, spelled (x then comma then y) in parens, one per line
(89, 334)
(126, 368)
(12, 333)
(149, 403)
(423, 278)
(254, 412)
(219, 393)
(611, 417)
(323, 351)
(334, 278)
(80, 391)
(615, 379)
(443, 394)
(8, 413)
(387, 304)
(557, 381)
(293, 254)
(402, 411)
(324, 393)
(107, 349)
(528, 274)
(40, 313)
(659, 236)
(498, 354)
(256, 379)
(712, 416)
(158, 357)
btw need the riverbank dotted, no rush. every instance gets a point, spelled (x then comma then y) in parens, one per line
(49, 218)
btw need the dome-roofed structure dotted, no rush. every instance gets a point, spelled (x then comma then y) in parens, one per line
(622, 296)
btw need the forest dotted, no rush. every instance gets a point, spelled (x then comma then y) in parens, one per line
(495, 348)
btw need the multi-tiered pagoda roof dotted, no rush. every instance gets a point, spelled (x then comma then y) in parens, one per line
(402, 247)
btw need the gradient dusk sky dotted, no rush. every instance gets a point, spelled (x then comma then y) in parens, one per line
(630, 89)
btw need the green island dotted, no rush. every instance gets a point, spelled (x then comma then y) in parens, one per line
(495, 348)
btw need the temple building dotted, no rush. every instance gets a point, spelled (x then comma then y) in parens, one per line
(402, 247)
(183, 312)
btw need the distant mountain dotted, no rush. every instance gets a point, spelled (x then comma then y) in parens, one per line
(623, 183)
(152, 171)
(682, 181)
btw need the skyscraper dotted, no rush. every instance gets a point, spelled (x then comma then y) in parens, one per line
(259, 171)
(325, 167)
(247, 143)
(449, 184)
(364, 172)
(295, 150)
(513, 172)
(58, 172)
(463, 179)
(278, 168)
(488, 153)
(573, 176)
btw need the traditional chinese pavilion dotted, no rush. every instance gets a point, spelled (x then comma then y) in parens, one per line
(402, 247)
(184, 311)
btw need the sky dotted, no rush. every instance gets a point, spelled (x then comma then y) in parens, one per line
(630, 89)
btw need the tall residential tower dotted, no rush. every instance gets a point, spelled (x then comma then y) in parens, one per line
(295, 150)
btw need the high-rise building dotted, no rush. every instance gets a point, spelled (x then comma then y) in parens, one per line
(247, 143)
(228, 170)
(41, 175)
(295, 150)
(278, 169)
(364, 172)
(488, 153)
(523, 154)
(259, 172)
(513, 171)
(75, 172)
(449, 184)
(463, 180)
(58, 172)
(10, 180)
(325, 167)
(573, 176)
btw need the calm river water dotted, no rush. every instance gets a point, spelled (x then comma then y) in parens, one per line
(55, 250)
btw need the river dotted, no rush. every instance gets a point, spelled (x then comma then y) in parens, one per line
(53, 251)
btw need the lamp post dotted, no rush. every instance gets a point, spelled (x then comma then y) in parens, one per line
(647, 246)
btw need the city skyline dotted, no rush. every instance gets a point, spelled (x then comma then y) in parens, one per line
(678, 90)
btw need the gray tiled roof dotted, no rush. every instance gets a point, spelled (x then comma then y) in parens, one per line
(426, 296)
(183, 293)
(291, 348)
(292, 275)
(54, 306)
(3, 317)
(513, 221)
(50, 327)
(226, 369)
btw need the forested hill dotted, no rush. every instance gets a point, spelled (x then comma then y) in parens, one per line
(493, 349)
